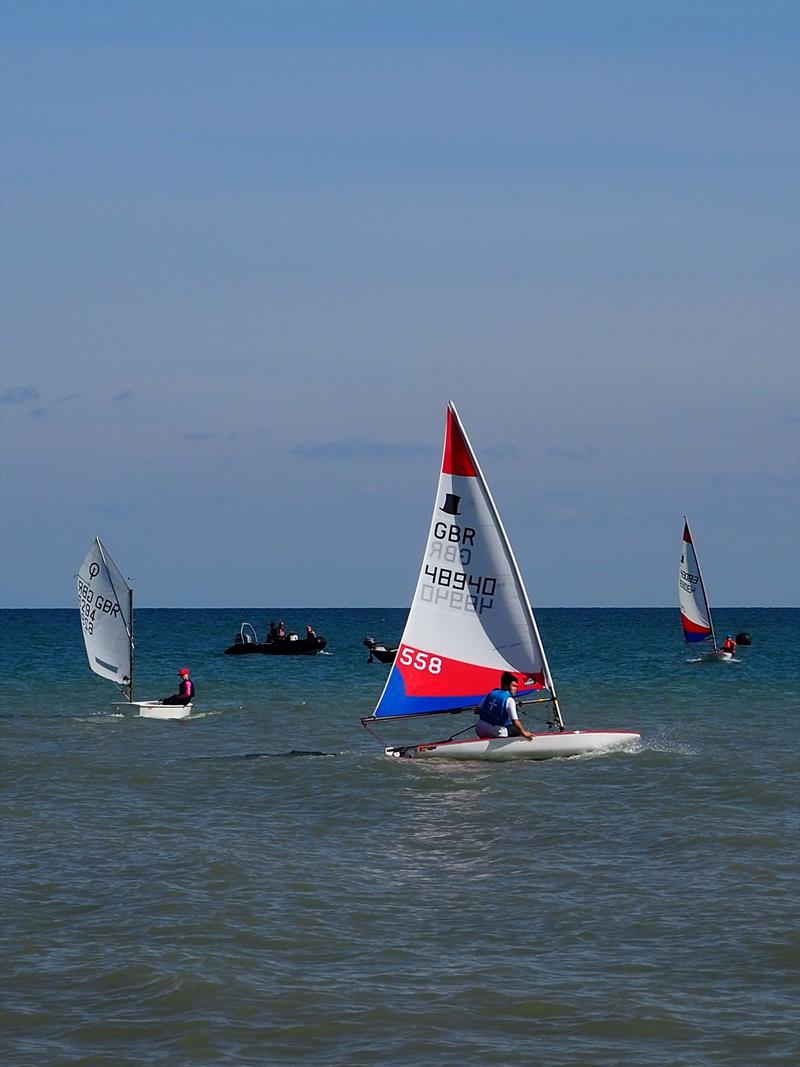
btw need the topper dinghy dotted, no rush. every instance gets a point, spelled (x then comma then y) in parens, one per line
(105, 603)
(693, 603)
(470, 620)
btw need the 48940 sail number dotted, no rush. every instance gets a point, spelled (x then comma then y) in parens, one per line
(457, 589)
(452, 586)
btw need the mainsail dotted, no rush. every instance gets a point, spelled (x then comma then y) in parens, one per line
(105, 605)
(470, 618)
(695, 612)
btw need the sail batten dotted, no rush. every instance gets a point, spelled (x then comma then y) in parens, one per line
(470, 617)
(104, 604)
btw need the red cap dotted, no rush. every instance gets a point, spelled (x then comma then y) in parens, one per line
(183, 670)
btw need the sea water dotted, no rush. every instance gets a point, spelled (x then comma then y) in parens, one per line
(260, 885)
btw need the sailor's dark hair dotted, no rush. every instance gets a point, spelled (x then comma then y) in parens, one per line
(506, 678)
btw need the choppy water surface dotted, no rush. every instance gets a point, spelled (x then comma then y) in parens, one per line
(260, 885)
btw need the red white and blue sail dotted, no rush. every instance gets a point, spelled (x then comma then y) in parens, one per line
(695, 612)
(470, 618)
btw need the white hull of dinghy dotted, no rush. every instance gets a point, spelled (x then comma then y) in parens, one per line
(718, 657)
(154, 709)
(543, 746)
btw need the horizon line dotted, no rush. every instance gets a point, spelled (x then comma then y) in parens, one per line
(391, 607)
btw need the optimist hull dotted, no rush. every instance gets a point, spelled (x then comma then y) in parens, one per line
(543, 746)
(153, 709)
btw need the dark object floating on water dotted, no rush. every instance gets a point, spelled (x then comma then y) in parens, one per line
(378, 651)
(743, 639)
(246, 643)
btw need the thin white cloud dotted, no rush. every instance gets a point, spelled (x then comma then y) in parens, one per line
(19, 394)
(201, 436)
(757, 486)
(577, 452)
(502, 450)
(360, 448)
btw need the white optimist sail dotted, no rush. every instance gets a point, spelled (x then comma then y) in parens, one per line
(695, 612)
(105, 603)
(470, 618)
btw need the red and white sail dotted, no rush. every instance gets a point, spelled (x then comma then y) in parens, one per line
(470, 618)
(695, 612)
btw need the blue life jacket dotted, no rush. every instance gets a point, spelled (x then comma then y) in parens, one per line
(186, 689)
(493, 708)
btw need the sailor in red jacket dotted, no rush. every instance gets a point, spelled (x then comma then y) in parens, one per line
(185, 692)
(729, 645)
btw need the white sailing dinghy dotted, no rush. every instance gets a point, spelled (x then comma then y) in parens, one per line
(693, 602)
(105, 603)
(470, 620)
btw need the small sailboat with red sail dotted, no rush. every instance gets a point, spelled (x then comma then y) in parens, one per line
(471, 621)
(698, 627)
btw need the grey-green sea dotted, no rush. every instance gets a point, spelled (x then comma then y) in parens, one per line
(261, 885)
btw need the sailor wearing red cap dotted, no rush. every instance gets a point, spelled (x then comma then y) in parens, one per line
(185, 693)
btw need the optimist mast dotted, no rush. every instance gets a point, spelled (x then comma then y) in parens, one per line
(128, 625)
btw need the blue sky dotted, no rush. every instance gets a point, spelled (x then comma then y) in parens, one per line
(252, 249)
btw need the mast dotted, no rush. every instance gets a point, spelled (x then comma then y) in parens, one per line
(130, 638)
(702, 585)
(515, 569)
(448, 657)
(128, 625)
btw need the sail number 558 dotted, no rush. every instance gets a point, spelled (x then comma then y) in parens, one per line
(420, 661)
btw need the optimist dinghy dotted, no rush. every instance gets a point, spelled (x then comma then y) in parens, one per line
(693, 603)
(105, 603)
(470, 620)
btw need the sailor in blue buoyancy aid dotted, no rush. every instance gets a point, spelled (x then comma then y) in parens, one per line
(498, 711)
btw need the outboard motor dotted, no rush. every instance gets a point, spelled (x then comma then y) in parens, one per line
(370, 643)
(743, 639)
